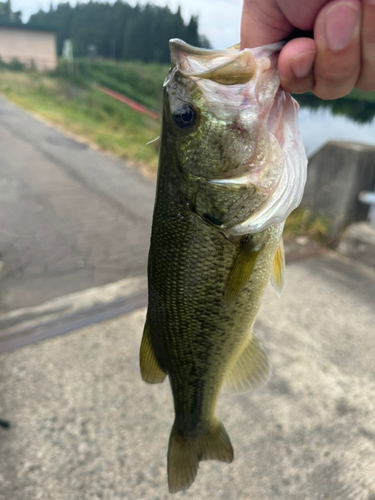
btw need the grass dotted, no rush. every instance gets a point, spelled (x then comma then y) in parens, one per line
(78, 107)
(302, 222)
(139, 81)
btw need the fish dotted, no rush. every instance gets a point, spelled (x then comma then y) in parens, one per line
(232, 167)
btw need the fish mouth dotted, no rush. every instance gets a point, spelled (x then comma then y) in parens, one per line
(177, 45)
(242, 88)
(226, 67)
(229, 66)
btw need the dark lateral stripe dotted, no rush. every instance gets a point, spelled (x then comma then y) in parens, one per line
(66, 324)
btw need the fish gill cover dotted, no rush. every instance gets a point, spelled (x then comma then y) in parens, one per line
(244, 87)
(231, 168)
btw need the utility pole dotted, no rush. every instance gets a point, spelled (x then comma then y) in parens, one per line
(10, 12)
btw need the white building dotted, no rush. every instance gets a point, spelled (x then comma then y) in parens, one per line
(28, 44)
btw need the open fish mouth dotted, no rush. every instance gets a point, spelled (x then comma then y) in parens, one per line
(248, 80)
(228, 67)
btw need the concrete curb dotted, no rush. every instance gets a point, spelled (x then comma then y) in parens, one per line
(358, 243)
(71, 304)
(112, 293)
(24, 326)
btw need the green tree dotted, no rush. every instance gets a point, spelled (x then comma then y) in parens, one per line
(6, 13)
(119, 31)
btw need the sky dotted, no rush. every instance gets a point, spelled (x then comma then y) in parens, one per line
(219, 19)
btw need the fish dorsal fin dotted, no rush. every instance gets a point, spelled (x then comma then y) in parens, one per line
(278, 269)
(150, 369)
(241, 271)
(251, 370)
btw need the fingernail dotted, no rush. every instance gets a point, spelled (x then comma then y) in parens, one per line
(342, 24)
(302, 64)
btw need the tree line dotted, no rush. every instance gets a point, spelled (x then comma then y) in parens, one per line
(6, 13)
(120, 31)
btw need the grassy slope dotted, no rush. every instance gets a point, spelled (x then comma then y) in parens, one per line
(77, 106)
(139, 81)
(84, 110)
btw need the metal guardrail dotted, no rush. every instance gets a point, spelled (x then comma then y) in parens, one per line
(368, 197)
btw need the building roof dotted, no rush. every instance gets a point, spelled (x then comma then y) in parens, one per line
(30, 27)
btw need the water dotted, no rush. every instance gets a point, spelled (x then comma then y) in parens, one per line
(351, 118)
(319, 126)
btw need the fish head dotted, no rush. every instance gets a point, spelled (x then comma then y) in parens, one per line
(234, 135)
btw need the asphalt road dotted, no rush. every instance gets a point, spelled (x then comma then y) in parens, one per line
(85, 426)
(70, 217)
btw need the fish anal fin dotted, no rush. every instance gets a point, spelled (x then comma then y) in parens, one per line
(150, 369)
(241, 271)
(251, 370)
(185, 453)
(278, 269)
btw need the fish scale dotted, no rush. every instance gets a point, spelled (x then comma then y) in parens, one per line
(207, 270)
(192, 330)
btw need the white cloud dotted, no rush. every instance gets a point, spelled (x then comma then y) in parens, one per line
(219, 19)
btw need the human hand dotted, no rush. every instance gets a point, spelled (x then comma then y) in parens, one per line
(341, 55)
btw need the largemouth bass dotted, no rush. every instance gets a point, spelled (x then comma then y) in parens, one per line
(232, 167)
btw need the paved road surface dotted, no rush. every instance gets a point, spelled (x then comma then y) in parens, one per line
(70, 217)
(85, 427)
(83, 424)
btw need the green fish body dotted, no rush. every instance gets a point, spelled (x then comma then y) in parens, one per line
(212, 249)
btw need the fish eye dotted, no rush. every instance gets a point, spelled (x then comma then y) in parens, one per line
(185, 116)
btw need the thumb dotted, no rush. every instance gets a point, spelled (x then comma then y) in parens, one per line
(262, 23)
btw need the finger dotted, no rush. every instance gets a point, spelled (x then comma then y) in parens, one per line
(262, 23)
(296, 64)
(366, 80)
(269, 21)
(337, 38)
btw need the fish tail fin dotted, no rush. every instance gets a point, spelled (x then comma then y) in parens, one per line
(185, 453)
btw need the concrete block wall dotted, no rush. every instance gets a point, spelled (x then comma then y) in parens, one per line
(337, 173)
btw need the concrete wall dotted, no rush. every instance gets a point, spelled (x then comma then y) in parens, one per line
(27, 46)
(336, 175)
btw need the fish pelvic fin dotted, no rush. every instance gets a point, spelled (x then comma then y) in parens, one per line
(251, 369)
(278, 269)
(185, 453)
(150, 369)
(241, 271)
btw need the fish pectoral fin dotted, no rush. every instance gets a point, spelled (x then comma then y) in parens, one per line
(150, 369)
(185, 453)
(278, 269)
(241, 271)
(251, 370)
